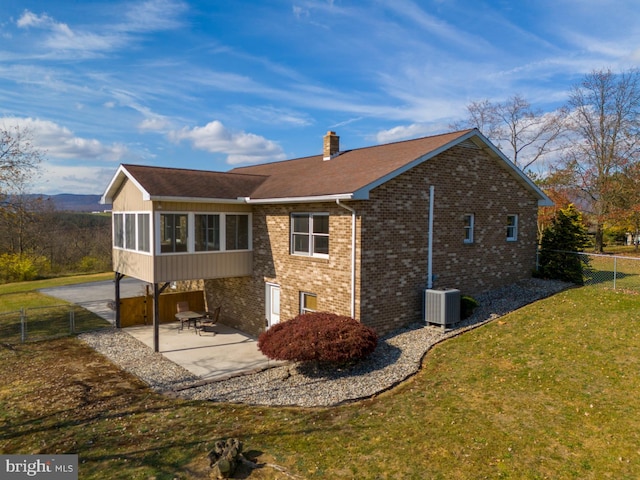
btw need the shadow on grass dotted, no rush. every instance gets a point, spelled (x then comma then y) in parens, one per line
(383, 356)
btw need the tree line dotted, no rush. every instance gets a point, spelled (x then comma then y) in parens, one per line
(37, 240)
(587, 152)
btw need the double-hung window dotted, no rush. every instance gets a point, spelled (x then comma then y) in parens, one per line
(512, 228)
(468, 228)
(173, 232)
(207, 233)
(310, 234)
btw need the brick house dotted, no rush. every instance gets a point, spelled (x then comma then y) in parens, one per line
(345, 231)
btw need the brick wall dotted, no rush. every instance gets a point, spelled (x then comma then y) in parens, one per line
(395, 234)
(243, 299)
(392, 240)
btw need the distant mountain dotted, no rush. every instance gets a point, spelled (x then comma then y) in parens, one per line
(77, 203)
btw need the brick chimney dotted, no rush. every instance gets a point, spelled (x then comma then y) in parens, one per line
(331, 145)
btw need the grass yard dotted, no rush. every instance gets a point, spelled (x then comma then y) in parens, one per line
(550, 391)
(46, 316)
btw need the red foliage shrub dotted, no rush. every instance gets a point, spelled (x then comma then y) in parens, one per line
(318, 337)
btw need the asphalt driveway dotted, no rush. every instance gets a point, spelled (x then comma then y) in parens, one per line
(97, 297)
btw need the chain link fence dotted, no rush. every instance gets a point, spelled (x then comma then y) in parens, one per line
(42, 323)
(609, 271)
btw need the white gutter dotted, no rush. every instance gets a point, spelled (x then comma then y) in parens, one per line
(353, 256)
(319, 198)
(430, 247)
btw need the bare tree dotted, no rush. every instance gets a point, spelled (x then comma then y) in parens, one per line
(605, 120)
(19, 158)
(525, 134)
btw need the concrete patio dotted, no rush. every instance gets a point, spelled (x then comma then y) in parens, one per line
(211, 357)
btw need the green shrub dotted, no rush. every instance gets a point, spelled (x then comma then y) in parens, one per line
(318, 337)
(467, 306)
(90, 264)
(18, 268)
(566, 234)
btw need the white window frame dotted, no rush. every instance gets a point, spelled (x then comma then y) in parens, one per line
(126, 231)
(468, 227)
(191, 232)
(303, 296)
(512, 228)
(220, 230)
(310, 252)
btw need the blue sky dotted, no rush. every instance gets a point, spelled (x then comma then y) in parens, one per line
(217, 84)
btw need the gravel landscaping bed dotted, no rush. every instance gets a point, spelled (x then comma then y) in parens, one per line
(397, 357)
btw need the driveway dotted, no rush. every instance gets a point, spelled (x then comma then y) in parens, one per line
(210, 357)
(97, 296)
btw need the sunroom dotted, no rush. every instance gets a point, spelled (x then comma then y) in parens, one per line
(167, 228)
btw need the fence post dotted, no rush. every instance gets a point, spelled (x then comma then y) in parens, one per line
(23, 326)
(72, 320)
(615, 271)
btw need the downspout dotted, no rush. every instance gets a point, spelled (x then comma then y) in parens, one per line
(353, 256)
(430, 247)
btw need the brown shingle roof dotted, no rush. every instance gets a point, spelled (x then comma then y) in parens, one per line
(349, 172)
(179, 182)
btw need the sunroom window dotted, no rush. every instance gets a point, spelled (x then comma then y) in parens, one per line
(173, 232)
(237, 232)
(131, 231)
(207, 233)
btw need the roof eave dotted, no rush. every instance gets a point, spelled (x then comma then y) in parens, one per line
(167, 198)
(363, 192)
(543, 199)
(118, 178)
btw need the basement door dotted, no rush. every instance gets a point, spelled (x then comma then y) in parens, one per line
(272, 304)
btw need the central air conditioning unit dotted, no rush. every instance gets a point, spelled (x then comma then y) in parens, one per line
(442, 307)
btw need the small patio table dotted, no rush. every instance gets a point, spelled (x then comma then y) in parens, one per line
(190, 316)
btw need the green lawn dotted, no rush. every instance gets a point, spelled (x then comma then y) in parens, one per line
(47, 316)
(549, 391)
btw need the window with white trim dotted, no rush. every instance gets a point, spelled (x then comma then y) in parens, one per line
(118, 230)
(512, 228)
(174, 228)
(144, 238)
(468, 227)
(207, 233)
(131, 231)
(308, 302)
(310, 234)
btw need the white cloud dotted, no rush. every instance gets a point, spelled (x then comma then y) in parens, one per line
(30, 19)
(240, 147)
(76, 179)
(403, 132)
(149, 16)
(60, 142)
(274, 115)
(154, 15)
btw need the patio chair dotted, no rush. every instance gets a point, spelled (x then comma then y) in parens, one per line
(210, 322)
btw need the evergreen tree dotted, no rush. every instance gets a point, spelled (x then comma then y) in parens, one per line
(566, 233)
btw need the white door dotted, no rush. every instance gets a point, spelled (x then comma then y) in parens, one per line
(272, 304)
